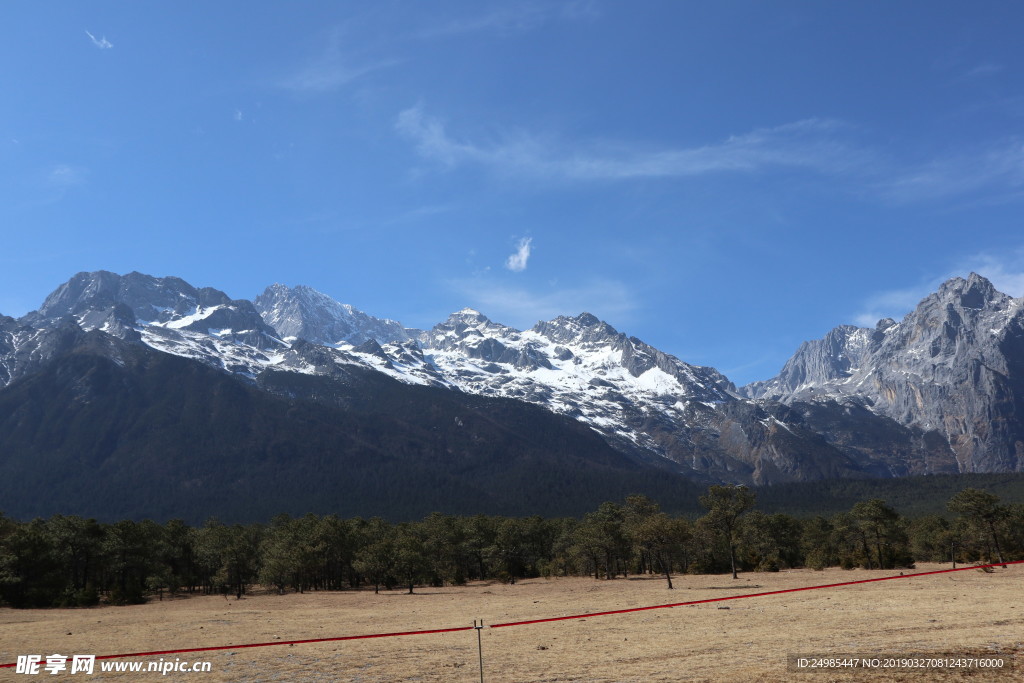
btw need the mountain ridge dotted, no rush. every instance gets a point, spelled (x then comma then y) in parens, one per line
(842, 407)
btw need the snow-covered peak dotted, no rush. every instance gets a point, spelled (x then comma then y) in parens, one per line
(124, 304)
(148, 297)
(584, 329)
(579, 366)
(304, 313)
(466, 329)
(469, 318)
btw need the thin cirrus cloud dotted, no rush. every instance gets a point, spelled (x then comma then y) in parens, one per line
(513, 17)
(333, 69)
(891, 303)
(998, 166)
(980, 71)
(517, 261)
(510, 17)
(329, 74)
(822, 146)
(64, 176)
(810, 144)
(101, 43)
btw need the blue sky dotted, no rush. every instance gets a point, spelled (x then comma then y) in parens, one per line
(721, 179)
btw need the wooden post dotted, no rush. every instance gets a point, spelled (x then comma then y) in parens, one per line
(480, 647)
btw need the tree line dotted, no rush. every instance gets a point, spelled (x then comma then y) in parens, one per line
(70, 561)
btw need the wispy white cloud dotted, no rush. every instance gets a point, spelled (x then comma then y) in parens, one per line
(809, 144)
(1005, 270)
(892, 303)
(767, 363)
(997, 167)
(521, 307)
(984, 71)
(513, 17)
(64, 176)
(101, 43)
(517, 261)
(330, 74)
(333, 69)
(419, 213)
(994, 172)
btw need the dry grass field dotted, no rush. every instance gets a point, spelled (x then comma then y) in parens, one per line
(962, 613)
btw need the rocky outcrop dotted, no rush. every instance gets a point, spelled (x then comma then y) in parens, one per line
(954, 367)
(304, 313)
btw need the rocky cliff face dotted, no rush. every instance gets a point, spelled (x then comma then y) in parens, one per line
(835, 357)
(953, 366)
(304, 313)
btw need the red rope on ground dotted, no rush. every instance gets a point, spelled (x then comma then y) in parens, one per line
(749, 595)
(540, 621)
(276, 642)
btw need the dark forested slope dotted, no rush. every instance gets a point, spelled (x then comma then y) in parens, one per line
(114, 430)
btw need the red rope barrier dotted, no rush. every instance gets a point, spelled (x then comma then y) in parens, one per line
(749, 595)
(541, 621)
(276, 642)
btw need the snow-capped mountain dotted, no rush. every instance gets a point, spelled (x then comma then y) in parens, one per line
(953, 366)
(132, 396)
(170, 315)
(848, 405)
(578, 366)
(645, 402)
(167, 314)
(169, 303)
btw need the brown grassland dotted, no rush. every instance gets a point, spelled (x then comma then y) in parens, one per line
(969, 613)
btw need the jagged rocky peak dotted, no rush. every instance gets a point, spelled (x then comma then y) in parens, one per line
(468, 316)
(836, 356)
(466, 325)
(585, 335)
(121, 305)
(959, 301)
(464, 320)
(952, 366)
(82, 287)
(583, 329)
(943, 327)
(302, 312)
(148, 297)
(976, 292)
(475, 336)
(964, 321)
